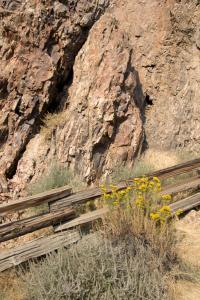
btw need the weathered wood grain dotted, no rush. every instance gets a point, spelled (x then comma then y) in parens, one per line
(83, 219)
(183, 205)
(93, 193)
(178, 169)
(185, 185)
(82, 197)
(36, 248)
(19, 228)
(24, 226)
(35, 200)
(187, 203)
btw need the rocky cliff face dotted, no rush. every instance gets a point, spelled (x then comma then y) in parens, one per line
(123, 75)
(38, 45)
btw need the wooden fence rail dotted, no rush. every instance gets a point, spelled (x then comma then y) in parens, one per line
(178, 169)
(37, 248)
(182, 205)
(46, 245)
(35, 200)
(90, 193)
(65, 213)
(62, 213)
(21, 227)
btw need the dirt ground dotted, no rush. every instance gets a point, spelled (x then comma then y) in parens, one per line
(189, 251)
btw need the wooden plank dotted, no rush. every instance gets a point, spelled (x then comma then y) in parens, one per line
(82, 197)
(93, 193)
(187, 203)
(183, 205)
(19, 228)
(187, 184)
(178, 169)
(83, 219)
(37, 248)
(24, 226)
(62, 192)
(35, 200)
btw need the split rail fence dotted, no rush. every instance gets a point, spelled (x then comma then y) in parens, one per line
(62, 214)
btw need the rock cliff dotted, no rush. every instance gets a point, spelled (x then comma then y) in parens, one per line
(116, 76)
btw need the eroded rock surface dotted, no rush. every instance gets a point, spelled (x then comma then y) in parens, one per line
(39, 41)
(134, 81)
(102, 124)
(164, 36)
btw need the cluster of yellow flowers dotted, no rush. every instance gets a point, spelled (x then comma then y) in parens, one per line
(115, 197)
(145, 184)
(143, 193)
(161, 214)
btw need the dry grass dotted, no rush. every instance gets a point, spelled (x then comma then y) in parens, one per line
(119, 223)
(10, 286)
(51, 122)
(121, 173)
(129, 259)
(56, 176)
(152, 160)
(161, 159)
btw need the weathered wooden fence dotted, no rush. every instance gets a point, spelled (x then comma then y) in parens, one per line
(62, 215)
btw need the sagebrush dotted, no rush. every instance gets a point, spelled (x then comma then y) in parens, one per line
(131, 256)
(56, 176)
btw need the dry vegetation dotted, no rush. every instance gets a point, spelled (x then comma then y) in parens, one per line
(152, 160)
(56, 176)
(133, 255)
(51, 122)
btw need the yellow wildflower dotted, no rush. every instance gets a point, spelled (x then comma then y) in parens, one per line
(165, 209)
(155, 216)
(151, 184)
(166, 197)
(128, 189)
(136, 179)
(178, 212)
(158, 186)
(156, 179)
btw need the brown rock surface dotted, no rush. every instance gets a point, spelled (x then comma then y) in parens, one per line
(39, 41)
(164, 36)
(139, 53)
(102, 124)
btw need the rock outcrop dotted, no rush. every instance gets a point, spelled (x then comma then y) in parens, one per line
(135, 82)
(102, 124)
(39, 41)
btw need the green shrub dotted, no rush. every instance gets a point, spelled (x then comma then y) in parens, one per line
(56, 176)
(97, 269)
